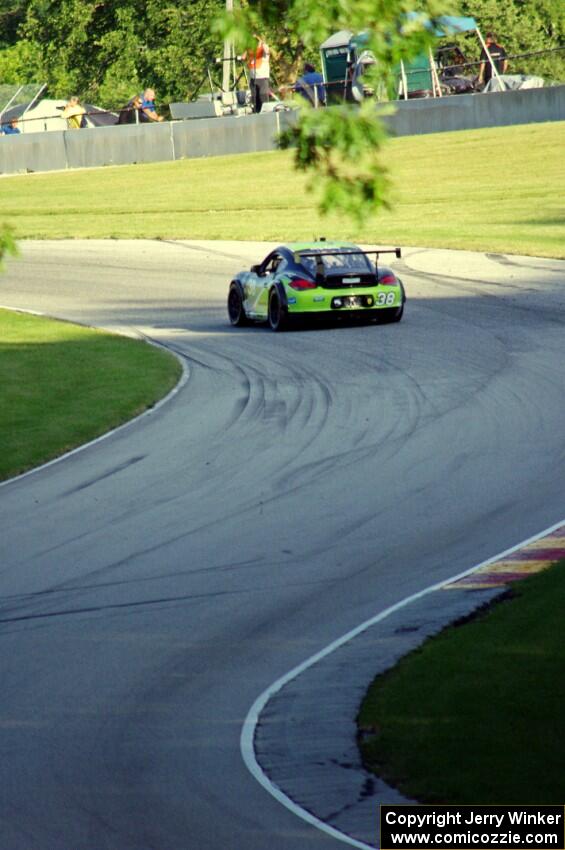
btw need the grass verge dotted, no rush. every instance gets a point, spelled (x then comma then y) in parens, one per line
(63, 385)
(476, 715)
(498, 189)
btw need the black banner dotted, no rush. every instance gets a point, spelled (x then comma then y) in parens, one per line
(472, 827)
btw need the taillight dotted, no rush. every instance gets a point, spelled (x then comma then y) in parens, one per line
(388, 280)
(300, 284)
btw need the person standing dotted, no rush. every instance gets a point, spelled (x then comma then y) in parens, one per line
(497, 55)
(259, 64)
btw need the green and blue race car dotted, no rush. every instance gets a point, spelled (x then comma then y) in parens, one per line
(317, 280)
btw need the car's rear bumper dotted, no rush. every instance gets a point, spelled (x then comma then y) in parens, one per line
(335, 302)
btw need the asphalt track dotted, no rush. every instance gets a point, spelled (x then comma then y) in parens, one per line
(153, 585)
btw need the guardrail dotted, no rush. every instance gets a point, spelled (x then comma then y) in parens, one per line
(473, 111)
(132, 143)
(173, 140)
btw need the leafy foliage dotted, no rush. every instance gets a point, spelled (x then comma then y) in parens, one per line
(12, 13)
(340, 146)
(106, 51)
(7, 242)
(524, 27)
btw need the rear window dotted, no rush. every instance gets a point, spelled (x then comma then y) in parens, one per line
(340, 264)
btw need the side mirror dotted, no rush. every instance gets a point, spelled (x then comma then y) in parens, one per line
(398, 253)
(255, 269)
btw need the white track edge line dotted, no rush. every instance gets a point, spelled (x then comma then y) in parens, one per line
(250, 723)
(170, 395)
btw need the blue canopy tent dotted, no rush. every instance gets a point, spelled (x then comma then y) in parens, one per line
(444, 25)
(420, 77)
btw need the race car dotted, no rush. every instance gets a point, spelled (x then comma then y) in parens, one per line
(317, 280)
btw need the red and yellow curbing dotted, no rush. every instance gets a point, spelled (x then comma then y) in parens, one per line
(531, 558)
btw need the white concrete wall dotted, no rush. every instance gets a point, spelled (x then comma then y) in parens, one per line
(131, 143)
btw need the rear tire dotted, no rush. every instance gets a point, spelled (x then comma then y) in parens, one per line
(394, 314)
(236, 310)
(278, 314)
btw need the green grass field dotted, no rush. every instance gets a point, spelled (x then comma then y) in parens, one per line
(476, 715)
(62, 385)
(496, 190)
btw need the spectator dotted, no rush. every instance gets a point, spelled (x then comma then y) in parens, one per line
(148, 111)
(11, 128)
(494, 54)
(75, 114)
(130, 114)
(259, 64)
(311, 86)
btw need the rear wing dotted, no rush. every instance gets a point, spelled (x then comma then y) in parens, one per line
(338, 252)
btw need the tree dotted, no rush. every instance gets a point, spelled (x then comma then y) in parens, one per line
(12, 14)
(524, 27)
(106, 51)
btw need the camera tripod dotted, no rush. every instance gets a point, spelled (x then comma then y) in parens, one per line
(225, 89)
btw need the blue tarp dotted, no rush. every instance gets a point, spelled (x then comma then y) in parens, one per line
(450, 24)
(445, 24)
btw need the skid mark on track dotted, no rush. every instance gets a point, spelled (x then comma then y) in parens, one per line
(85, 484)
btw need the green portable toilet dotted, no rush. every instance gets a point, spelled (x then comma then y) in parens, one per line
(336, 58)
(339, 54)
(416, 76)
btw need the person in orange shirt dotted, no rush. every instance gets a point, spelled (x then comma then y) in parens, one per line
(258, 62)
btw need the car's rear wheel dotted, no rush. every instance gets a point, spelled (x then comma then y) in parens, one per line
(393, 314)
(278, 314)
(236, 310)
